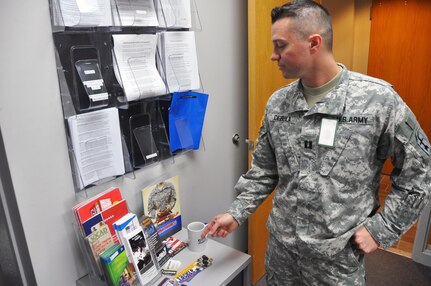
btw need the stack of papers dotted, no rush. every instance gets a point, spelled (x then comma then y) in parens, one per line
(135, 66)
(178, 53)
(136, 13)
(93, 13)
(174, 13)
(96, 142)
(85, 12)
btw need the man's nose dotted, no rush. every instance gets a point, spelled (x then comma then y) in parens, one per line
(274, 56)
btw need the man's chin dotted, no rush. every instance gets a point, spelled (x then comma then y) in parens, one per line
(288, 75)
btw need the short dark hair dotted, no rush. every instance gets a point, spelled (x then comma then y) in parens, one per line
(310, 17)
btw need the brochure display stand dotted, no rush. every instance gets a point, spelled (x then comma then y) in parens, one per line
(117, 247)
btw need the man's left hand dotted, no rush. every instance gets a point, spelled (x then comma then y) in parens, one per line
(364, 241)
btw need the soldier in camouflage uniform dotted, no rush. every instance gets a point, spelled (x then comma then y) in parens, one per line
(161, 200)
(322, 146)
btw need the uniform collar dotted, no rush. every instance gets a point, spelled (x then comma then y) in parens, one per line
(332, 104)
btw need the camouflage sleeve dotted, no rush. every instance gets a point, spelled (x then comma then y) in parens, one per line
(258, 183)
(411, 181)
(151, 207)
(172, 196)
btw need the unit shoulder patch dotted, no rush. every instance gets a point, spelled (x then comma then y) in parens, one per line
(422, 142)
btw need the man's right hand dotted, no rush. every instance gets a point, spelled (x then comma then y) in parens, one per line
(220, 226)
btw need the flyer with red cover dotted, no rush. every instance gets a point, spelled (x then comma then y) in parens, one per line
(94, 205)
(109, 216)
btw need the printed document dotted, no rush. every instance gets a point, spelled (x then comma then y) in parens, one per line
(174, 13)
(86, 12)
(137, 13)
(180, 60)
(135, 66)
(96, 142)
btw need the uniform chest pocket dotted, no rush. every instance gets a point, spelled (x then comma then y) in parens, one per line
(282, 135)
(329, 156)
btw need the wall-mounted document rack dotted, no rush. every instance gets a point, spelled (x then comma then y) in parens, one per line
(127, 56)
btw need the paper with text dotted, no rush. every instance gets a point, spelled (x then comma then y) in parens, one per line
(86, 12)
(135, 66)
(179, 56)
(174, 13)
(96, 142)
(137, 13)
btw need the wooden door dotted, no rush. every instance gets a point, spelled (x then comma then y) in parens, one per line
(399, 53)
(264, 78)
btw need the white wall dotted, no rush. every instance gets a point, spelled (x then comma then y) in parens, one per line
(31, 121)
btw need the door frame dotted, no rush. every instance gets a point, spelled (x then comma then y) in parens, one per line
(11, 224)
(421, 253)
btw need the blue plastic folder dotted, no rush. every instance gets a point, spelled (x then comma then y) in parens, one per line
(186, 119)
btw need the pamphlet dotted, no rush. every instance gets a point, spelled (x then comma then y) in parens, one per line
(162, 204)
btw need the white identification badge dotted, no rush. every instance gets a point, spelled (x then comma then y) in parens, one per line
(328, 129)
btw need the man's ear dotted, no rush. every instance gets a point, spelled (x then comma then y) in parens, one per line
(315, 42)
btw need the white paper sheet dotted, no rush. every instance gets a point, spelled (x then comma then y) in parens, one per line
(180, 60)
(137, 13)
(135, 60)
(328, 129)
(96, 142)
(174, 13)
(86, 12)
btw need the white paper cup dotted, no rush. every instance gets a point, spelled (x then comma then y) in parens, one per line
(194, 230)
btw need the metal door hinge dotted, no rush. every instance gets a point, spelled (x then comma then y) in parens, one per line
(250, 144)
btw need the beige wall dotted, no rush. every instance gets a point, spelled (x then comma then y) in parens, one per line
(351, 25)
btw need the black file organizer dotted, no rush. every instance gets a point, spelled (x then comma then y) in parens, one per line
(145, 131)
(86, 47)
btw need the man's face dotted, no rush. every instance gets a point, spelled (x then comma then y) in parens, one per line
(290, 51)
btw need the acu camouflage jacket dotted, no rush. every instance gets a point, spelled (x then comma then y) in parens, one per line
(324, 193)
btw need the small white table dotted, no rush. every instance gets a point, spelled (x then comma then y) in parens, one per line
(227, 263)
